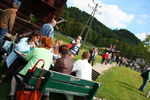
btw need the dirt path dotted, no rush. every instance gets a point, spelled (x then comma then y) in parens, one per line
(102, 67)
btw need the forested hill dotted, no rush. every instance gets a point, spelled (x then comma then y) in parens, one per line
(99, 35)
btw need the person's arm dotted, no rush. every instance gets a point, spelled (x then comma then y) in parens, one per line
(30, 55)
(11, 21)
(51, 32)
(23, 46)
(75, 66)
(78, 50)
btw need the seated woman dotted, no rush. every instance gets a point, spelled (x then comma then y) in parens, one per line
(74, 50)
(24, 45)
(55, 51)
(65, 63)
(38, 53)
(62, 65)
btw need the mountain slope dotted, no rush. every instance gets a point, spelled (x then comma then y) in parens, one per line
(75, 15)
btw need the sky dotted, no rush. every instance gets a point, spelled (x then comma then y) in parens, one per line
(133, 15)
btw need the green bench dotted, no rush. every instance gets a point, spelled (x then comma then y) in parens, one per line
(61, 83)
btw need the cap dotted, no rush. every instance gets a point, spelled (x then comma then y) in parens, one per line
(16, 4)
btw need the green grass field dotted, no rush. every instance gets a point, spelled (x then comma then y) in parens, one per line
(121, 83)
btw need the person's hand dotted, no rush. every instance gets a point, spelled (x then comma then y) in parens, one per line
(32, 44)
(12, 31)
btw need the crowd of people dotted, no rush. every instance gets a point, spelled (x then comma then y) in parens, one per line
(57, 56)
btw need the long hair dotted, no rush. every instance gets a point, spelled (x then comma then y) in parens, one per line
(33, 34)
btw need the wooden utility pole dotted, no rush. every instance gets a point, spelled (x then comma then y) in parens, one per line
(89, 21)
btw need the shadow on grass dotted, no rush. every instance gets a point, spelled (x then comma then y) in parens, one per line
(131, 88)
(127, 85)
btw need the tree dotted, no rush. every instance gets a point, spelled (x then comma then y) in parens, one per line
(147, 42)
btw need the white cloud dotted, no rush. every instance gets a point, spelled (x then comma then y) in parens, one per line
(140, 22)
(112, 16)
(145, 16)
(142, 36)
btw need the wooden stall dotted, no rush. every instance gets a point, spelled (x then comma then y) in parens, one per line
(41, 10)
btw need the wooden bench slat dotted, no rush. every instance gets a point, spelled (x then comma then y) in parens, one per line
(64, 77)
(65, 87)
(66, 92)
(59, 85)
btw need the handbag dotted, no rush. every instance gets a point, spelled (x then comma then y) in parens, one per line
(30, 71)
(33, 94)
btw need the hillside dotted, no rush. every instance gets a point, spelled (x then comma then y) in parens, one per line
(76, 20)
(121, 83)
(100, 35)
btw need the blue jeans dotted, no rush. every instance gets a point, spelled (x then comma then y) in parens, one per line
(3, 32)
(143, 85)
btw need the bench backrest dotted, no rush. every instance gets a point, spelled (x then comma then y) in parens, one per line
(66, 84)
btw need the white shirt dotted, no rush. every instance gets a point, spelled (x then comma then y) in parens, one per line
(83, 69)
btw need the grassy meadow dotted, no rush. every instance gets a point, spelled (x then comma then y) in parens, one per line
(121, 83)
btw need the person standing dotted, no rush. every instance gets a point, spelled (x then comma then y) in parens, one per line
(93, 54)
(104, 58)
(146, 77)
(7, 20)
(48, 28)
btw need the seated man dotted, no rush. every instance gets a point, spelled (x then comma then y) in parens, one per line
(82, 68)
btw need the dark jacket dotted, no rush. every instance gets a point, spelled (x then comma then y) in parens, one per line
(91, 53)
(145, 74)
(64, 65)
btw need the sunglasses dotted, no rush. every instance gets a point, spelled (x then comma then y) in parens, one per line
(37, 37)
